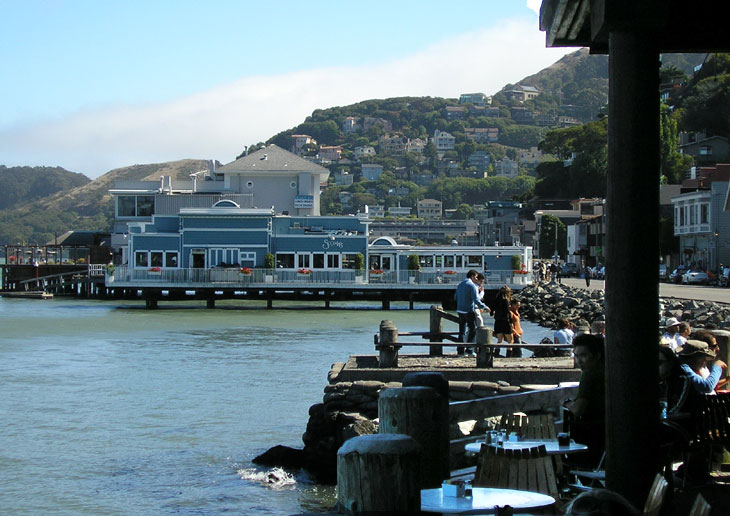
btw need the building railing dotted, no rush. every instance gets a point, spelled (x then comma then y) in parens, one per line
(241, 277)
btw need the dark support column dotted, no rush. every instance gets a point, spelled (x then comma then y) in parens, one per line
(632, 259)
(386, 304)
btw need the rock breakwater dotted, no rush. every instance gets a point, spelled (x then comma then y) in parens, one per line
(546, 304)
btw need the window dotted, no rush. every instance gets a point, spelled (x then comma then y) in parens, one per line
(171, 259)
(318, 261)
(448, 261)
(333, 261)
(293, 184)
(285, 260)
(705, 151)
(348, 261)
(474, 261)
(439, 261)
(426, 261)
(140, 259)
(692, 215)
(680, 210)
(135, 205)
(704, 213)
(126, 206)
(249, 184)
(145, 205)
(303, 260)
(156, 258)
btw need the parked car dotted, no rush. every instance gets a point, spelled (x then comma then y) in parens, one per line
(695, 277)
(663, 272)
(676, 275)
(569, 269)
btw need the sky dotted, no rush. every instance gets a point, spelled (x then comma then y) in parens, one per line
(93, 85)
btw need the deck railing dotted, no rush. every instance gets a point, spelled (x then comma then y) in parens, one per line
(236, 277)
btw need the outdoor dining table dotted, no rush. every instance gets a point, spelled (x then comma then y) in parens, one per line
(484, 500)
(552, 447)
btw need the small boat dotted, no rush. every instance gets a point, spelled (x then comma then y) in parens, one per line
(30, 294)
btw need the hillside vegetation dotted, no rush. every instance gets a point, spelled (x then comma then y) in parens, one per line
(39, 203)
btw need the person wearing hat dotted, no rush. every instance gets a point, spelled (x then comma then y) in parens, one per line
(671, 330)
(694, 356)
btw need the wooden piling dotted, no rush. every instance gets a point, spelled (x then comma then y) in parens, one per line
(485, 354)
(435, 327)
(378, 474)
(423, 414)
(388, 356)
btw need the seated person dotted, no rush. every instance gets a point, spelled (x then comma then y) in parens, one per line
(693, 356)
(589, 408)
(707, 337)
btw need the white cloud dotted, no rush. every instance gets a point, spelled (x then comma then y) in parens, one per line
(534, 5)
(217, 123)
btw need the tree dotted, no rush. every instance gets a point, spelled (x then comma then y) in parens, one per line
(463, 212)
(672, 162)
(548, 227)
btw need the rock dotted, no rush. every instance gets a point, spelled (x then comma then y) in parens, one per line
(282, 456)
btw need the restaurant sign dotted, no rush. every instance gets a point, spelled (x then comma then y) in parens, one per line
(304, 201)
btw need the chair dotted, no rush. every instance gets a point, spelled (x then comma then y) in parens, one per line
(593, 478)
(533, 426)
(654, 500)
(528, 469)
(700, 507)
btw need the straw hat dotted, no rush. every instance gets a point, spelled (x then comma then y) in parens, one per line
(671, 321)
(693, 347)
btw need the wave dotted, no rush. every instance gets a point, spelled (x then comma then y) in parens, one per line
(275, 477)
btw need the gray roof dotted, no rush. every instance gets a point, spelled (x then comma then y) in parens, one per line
(272, 159)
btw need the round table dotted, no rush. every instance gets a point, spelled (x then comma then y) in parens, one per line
(482, 501)
(551, 446)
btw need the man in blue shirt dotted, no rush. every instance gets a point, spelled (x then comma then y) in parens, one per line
(467, 300)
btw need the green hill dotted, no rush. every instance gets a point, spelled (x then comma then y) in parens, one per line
(40, 202)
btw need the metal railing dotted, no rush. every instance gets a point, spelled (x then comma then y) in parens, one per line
(240, 277)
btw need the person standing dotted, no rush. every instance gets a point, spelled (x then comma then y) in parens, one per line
(514, 308)
(502, 317)
(467, 300)
(588, 274)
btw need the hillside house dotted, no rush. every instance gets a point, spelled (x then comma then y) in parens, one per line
(430, 209)
(363, 152)
(520, 93)
(443, 141)
(705, 150)
(393, 144)
(455, 112)
(371, 171)
(478, 99)
(299, 141)
(482, 134)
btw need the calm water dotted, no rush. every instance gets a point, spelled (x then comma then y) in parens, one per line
(107, 408)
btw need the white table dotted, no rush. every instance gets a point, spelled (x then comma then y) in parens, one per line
(551, 446)
(482, 501)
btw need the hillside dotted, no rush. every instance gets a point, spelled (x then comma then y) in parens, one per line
(38, 203)
(86, 206)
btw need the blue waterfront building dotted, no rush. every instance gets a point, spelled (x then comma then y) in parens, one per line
(233, 216)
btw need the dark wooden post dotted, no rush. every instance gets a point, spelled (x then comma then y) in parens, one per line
(485, 354)
(423, 414)
(150, 299)
(723, 340)
(388, 344)
(440, 384)
(210, 300)
(435, 327)
(378, 474)
(632, 256)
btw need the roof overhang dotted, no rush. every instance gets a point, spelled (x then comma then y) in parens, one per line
(675, 26)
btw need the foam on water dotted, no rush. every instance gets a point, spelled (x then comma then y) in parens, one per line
(275, 478)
